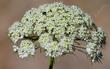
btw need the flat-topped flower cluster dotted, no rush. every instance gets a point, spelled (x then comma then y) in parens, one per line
(59, 29)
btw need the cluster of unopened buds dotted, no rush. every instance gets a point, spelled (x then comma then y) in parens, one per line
(58, 30)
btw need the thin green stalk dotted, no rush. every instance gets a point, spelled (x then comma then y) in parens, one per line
(51, 62)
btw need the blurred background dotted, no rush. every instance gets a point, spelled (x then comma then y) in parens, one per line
(13, 10)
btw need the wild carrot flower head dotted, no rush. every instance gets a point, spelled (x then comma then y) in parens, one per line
(59, 29)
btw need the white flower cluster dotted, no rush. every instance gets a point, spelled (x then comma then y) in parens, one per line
(94, 52)
(98, 36)
(55, 48)
(57, 27)
(25, 48)
(15, 32)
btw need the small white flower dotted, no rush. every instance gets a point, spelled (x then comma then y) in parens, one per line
(84, 33)
(29, 16)
(54, 49)
(39, 28)
(27, 29)
(15, 48)
(93, 51)
(15, 32)
(44, 40)
(26, 48)
(98, 36)
(66, 44)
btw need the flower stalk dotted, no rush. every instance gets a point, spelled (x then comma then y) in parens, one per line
(51, 62)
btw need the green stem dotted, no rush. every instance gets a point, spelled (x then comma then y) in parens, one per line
(51, 60)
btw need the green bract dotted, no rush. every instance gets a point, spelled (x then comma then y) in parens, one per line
(59, 29)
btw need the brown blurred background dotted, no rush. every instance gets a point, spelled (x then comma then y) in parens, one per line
(13, 10)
